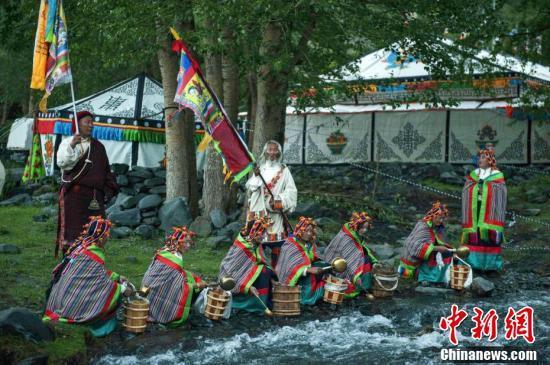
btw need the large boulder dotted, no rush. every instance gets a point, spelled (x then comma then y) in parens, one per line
(20, 321)
(160, 173)
(129, 218)
(122, 180)
(19, 199)
(121, 232)
(152, 221)
(161, 190)
(141, 172)
(201, 226)
(47, 198)
(174, 212)
(482, 287)
(216, 242)
(145, 231)
(218, 218)
(150, 202)
(154, 181)
(9, 248)
(383, 252)
(113, 208)
(43, 190)
(119, 168)
(132, 201)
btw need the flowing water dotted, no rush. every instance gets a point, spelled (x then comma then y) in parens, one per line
(402, 330)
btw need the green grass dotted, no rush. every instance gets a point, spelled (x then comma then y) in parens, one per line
(25, 276)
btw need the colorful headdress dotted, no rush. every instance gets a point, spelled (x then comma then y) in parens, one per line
(358, 219)
(96, 230)
(176, 239)
(79, 116)
(302, 225)
(438, 210)
(489, 152)
(257, 228)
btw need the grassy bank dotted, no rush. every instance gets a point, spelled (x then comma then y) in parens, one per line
(25, 277)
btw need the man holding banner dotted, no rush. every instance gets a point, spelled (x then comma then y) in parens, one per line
(272, 193)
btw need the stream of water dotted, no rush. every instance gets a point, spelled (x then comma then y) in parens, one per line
(394, 331)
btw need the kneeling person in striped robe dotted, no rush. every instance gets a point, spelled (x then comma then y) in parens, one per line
(299, 264)
(172, 289)
(246, 263)
(350, 244)
(82, 289)
(426, 255)
(483, 210)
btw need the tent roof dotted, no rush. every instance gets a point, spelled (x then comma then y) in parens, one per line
(140, 97)
(20, 137)
(383, 64)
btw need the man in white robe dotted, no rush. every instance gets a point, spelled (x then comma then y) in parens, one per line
(278, 178)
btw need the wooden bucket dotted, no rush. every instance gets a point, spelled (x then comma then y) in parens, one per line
(216, 301)
(286, 300)
(385, 281)
(334, 290)
(135, 315)
(459, 275)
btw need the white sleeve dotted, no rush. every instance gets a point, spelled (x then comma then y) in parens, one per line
(67, 157)
(254, 183)
(289, 196)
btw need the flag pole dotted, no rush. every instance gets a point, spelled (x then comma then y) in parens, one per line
(74, 107)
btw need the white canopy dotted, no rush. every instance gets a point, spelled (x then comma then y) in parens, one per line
(20, 137)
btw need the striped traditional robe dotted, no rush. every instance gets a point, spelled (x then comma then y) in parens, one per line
(85, 291)
(171, 289)
(348, 245)
(483, 220)
(243, 263)
(419, 253)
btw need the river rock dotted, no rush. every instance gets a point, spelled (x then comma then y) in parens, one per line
(149, 213)
(43, 189)
(141, 172)
(161, 190)
(19, 199)
(160, 173)
(218, 218)
(120, 232)
(216, 242)
(383, 252)
(430, 290)
(21, 321)
(233, 228)
(201, 226)
(119, 168)
(150, 201)
(145, 231)
(175, 212)
(132, 201)
(482, 287)
(47, 198)
(152, 221)
(9, 248)
(154, 181)
(122, 180)
(113, 208)
(129, 218)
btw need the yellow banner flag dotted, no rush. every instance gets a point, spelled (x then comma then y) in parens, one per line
(38, 79)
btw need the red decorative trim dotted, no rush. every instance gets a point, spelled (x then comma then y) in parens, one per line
(183, 300)
(304, 256)
(51, 315)
(424, 250)
(46, 126)
(263, 291)
(485, 249)
(469, 211)
(105, 308)
(240, 245)
(171, 264)
(93, 256)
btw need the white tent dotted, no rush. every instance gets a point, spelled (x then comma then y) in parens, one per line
(20, 137)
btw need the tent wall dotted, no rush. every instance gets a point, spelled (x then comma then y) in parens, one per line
(415, 137)
(20, 137)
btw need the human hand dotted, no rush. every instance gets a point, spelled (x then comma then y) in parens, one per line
(77, 139)
(256, 170)
(122, 279)
(253, 291)
(315, 270)
(129, 291)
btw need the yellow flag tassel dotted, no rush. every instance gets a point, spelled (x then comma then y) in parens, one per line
(204, 143)
(43, 104)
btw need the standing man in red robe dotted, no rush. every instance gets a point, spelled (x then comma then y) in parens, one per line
(87, 182)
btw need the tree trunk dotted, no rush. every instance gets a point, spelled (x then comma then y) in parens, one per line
(230, 76)
(271, 92)
(252, 104)
(181, 170)
(214, 191)
(4, 113)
